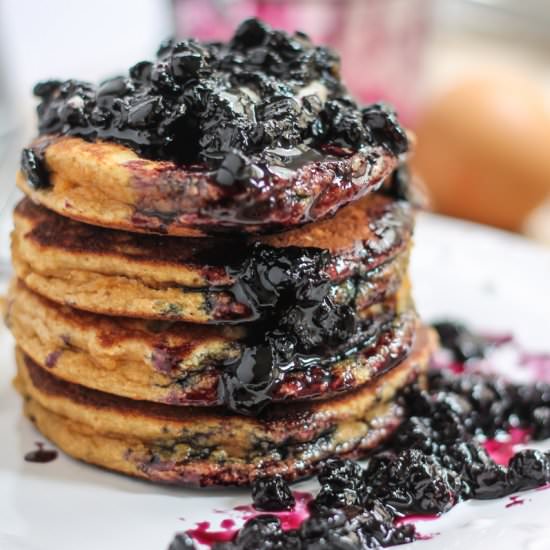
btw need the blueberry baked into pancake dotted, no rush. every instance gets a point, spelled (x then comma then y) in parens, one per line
(205, 280)
(205, 445)
(179, 363)
(212, 265)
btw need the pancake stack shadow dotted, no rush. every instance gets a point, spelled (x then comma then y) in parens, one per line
(197, 326)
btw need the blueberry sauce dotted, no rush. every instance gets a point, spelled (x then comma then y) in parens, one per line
(263, 98)
(289, 289)
(41, 455)
(300, 325)
(458, 442)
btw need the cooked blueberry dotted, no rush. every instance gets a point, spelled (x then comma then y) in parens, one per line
(272, 494)
(185, 64)
(113, 87)
(46, 88)
(34, 168)
(142, 113)
(457, 338)
(254, 530)
(528, 469)
(490, 482)
(381, 121)
(241, 96)
(250, 33)
(141, 71)
(182, 541)
(341, 474)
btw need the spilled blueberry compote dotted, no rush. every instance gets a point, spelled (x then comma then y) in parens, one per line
(263, 98)
(272, 494)
(444, 453)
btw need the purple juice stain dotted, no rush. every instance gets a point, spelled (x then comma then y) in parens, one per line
(203, 532)
(502, 449)
(514, 500)
(41, 455)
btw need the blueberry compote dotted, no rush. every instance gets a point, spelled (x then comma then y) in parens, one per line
(265, 97)
(434, 460)
(289, 290)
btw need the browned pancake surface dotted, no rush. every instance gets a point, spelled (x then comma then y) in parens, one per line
(119, 273)
(183, 445)
(107, 184)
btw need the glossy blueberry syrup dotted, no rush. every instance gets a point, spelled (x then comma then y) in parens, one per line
(40, 454)
(263, 98)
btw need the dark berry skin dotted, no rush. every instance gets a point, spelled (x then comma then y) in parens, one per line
(34, 168)
(490, 482)
(380, 119)
(460, 341)
(288, 289)
(528, 469)
(272, 494)
(182, 541)
(341, 484)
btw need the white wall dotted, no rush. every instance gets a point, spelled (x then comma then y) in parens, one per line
(88, 39)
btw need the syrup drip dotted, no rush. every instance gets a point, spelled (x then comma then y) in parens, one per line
(41, 455)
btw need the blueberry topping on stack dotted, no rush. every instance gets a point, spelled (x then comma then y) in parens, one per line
(289, 289)
(227, 106)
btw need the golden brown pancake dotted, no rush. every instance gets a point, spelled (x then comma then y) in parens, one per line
(125, 274)
(107, 184)
(179, 363)
(190, 446)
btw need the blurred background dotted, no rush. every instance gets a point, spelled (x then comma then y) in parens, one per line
(470, 77)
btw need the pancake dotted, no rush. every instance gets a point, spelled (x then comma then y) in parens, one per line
(178, 363)
(125, 274)
(235, 143)
(107, 184)
(189, 446)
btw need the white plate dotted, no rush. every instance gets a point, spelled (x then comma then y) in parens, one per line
(492, 280)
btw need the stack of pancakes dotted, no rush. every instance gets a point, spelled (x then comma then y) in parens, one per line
(172, 330)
